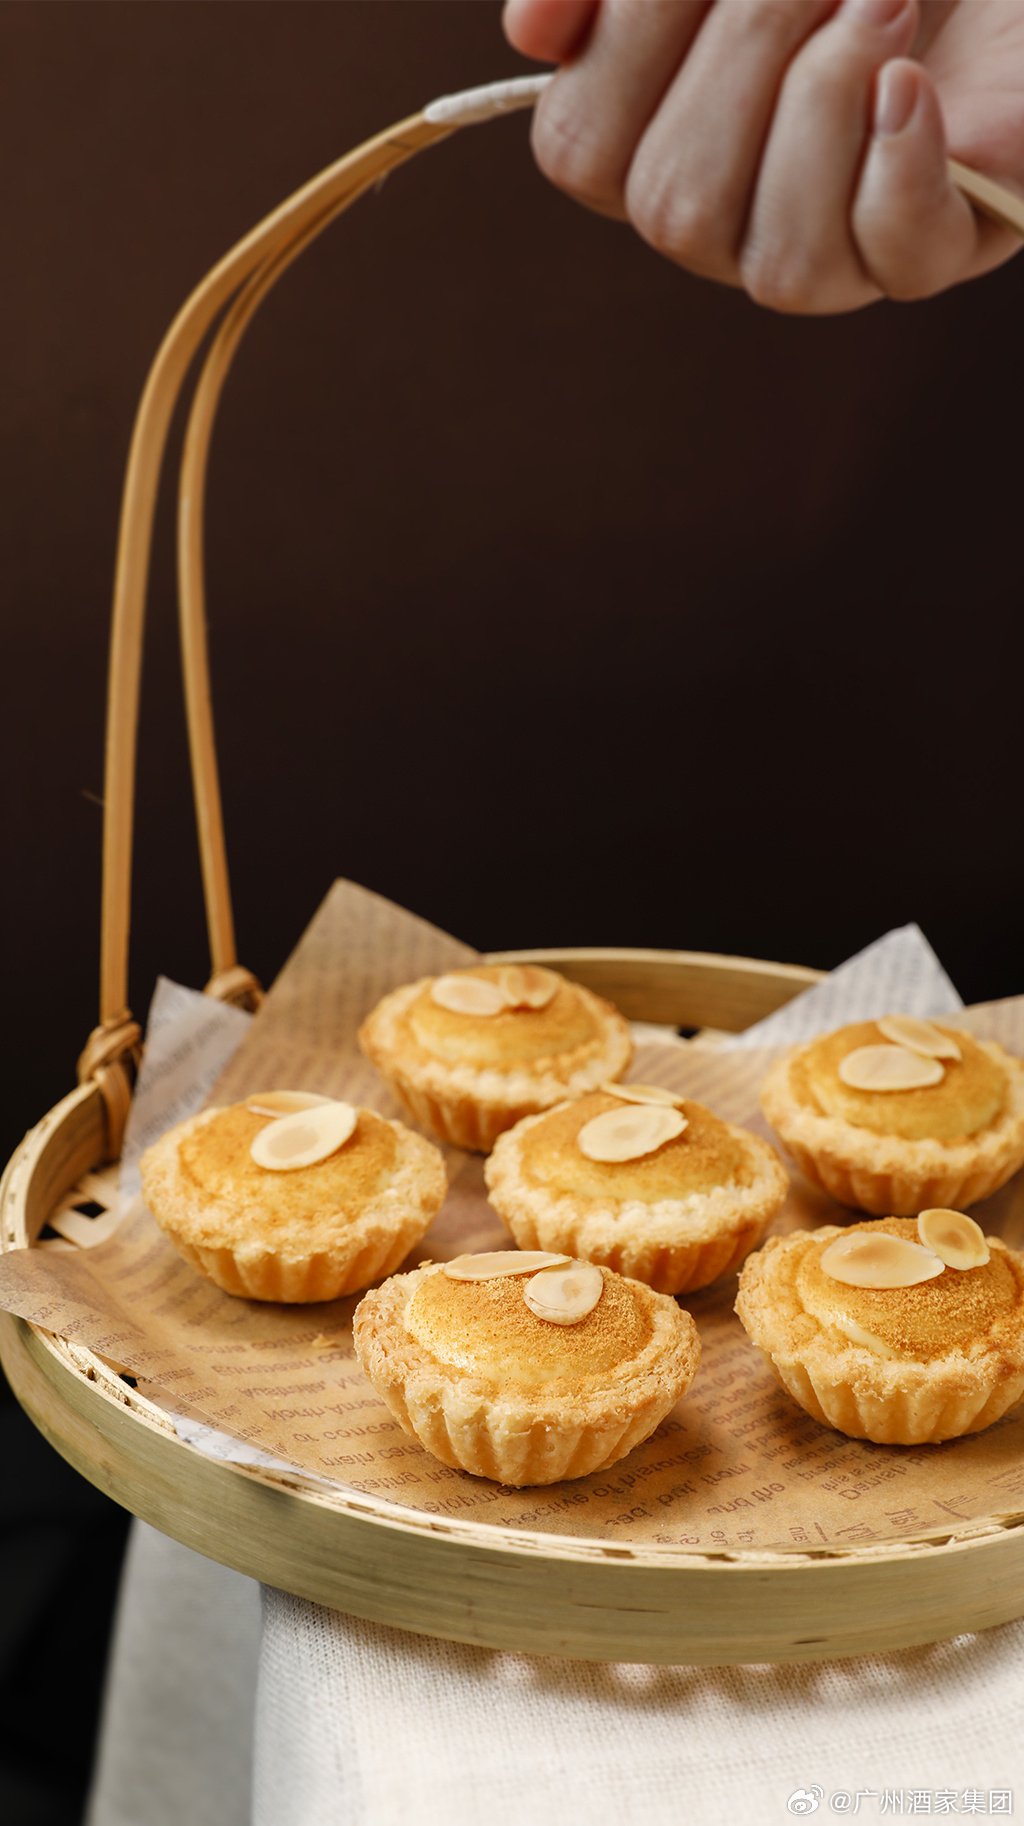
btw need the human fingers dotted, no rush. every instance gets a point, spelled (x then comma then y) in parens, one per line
(587, 123)
(799, 252)
(692, 179)
(550, 30)
(916, 233)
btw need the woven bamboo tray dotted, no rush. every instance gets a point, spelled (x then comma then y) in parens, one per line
(469, 1581)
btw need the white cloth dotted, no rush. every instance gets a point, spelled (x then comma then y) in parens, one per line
(176, 1744)
(358, 1725)
(363, 1726)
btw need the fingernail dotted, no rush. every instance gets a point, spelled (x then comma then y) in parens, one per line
(895, 98)
(876, 13)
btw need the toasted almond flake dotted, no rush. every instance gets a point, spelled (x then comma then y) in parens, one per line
(527, 986)
(564, 1295)
(877, 1259)
(919, 1036)
(859, 1334)
(305, 1137)
(956, 1239)
(283, 1103)
(629, 1134)
(889, 1068)
(643, 1093)
(468, 995)
(491, 1263)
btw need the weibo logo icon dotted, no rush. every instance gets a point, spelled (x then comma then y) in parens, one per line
(805, 1800)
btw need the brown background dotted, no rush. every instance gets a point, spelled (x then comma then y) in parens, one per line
(498, 500)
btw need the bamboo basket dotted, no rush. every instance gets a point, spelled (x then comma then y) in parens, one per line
(459, 1579)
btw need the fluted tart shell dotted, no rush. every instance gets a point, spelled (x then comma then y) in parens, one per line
(897, 1365)
(948, 1144)
(677, 1219)
(311, 1234)
(468, 1077)
(487, 1387)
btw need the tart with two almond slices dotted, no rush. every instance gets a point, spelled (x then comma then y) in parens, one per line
(525, 1367)
(898, 1115)
(471, 1052)
(906, 1331)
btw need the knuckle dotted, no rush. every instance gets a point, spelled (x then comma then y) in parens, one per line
(779, 281)
(679, 222)
(569, 150)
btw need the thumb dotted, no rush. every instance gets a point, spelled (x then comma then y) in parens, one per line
(915, 231)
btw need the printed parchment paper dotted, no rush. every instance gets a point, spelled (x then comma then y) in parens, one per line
(736, 1465)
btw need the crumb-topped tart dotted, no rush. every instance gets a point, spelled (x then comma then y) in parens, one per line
(640, 1180)
(525, 1367)
(472, 1052)
(898, 1114)
(900, 1330)
(292, 1196)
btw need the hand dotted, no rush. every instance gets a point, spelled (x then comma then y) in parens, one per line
(795, 148)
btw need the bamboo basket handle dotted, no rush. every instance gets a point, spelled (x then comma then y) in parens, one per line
(244, 275)
(227, 977)
(226, 972)
(990, 198)
(315, 203)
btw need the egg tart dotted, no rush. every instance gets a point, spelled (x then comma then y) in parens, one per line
(877, 1334)
(472, 1052)
(633, 1177)
(291, 1197)
(525, 1368)
(898, 1114)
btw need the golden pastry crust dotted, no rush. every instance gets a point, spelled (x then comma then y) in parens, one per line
(900, 1366)
(469, 1077)
(314, 1233)
(872, 1150)
(487, 1387)
(676, 1219)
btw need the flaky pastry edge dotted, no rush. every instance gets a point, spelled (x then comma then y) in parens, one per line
(469, 1107)
(890, 1400)
(368, 1246)
(673, 1245)
(519, 1437)
(884, 1174)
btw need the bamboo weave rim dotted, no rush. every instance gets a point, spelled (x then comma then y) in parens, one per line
(449, 1576)
(73, 1395)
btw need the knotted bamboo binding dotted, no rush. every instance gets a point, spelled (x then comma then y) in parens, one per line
(234, 289)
